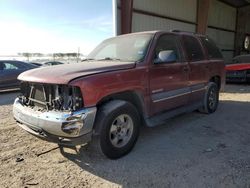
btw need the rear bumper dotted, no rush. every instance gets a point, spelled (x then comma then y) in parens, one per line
(69, 128)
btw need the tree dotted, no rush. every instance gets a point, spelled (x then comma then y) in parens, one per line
(27, 55)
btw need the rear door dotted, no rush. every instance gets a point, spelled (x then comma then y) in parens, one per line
(168, 80)
(216, 62)
(199, 65)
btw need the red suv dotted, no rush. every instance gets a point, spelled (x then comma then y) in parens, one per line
(127, 81)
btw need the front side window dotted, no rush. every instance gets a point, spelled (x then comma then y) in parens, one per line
(168, 43)
(193, 49)
(212, 49)
(124, 48)
(10, 66)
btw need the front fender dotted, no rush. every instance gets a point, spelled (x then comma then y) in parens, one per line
(96, 87)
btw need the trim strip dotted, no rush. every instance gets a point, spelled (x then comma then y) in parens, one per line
(165, 95)
(193, 91)
(163, 99)
(158, 90)
(197, 87)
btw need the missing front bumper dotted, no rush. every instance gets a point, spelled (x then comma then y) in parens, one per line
(39, 133)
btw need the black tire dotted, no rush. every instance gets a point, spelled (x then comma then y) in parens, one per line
(211, 99)
(106, 115)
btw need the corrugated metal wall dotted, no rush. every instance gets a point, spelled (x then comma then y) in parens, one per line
(222, 16)
(142, 22)
(182, 15)
(178, 9)
(182, 9)
(224, 40)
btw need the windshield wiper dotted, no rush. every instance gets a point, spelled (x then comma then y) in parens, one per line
(109, 59)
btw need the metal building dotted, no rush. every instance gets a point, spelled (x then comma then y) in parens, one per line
(227, 22)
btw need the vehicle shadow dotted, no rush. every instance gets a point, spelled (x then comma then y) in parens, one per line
(8, 97)
(176, 154)
(237, 88)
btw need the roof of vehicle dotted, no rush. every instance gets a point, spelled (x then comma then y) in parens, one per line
(22, 62)
(242, 58)
(187, 33)
(34, 63)
(7, 60)
(53, 63)
(177, 32)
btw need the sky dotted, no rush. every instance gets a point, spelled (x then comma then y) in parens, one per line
(51, 26)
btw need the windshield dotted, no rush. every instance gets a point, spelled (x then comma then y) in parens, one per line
(122, 48)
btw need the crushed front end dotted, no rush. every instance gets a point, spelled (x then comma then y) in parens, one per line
(54, 112)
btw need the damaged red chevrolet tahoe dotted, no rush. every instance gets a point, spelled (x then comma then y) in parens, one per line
(127, 81)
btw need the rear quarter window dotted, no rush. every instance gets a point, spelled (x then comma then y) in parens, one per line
(212, 50)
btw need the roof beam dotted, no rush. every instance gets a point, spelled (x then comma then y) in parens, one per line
(126, 16)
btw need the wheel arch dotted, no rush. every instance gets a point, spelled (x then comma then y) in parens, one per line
(134, 97)
(216, 79)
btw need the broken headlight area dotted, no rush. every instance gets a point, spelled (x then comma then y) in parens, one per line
(51, 97)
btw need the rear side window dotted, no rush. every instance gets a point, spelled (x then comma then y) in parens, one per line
(19, 65)
(212, 50)
(193, 49)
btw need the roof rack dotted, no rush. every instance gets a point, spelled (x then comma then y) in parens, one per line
(179, 31)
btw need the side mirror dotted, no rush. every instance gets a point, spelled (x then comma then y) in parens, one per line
(166, 56)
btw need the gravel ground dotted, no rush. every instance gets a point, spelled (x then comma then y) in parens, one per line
(192, 150)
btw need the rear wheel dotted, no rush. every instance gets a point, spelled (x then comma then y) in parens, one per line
(211, 99)
(119, 128)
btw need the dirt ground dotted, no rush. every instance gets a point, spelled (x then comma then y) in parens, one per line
(192, 150)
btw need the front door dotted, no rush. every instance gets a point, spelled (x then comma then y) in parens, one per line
(8, 74)
(168, 80)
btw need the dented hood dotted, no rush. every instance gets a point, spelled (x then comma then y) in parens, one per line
(63, 74)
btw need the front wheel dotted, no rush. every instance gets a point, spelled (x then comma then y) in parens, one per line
(211, 99)
(119, 128)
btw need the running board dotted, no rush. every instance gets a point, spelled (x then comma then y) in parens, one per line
(161, 118)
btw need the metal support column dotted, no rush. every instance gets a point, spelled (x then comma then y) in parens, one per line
(202, 16)
(126, 16)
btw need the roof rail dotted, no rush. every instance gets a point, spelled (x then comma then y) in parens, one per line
(179, 31)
